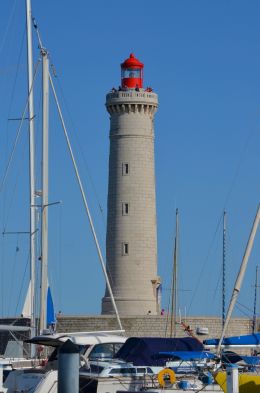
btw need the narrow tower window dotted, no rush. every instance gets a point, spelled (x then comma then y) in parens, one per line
(125, 249)
(125, 208)
(125, 168)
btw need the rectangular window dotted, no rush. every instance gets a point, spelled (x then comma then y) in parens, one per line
(125, 208)
(125, 168)
(125, 249)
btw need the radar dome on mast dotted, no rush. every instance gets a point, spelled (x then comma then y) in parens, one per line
(132, 73)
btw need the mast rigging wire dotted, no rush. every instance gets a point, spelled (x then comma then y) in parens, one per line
(22, 284)
(205, 262)
(240, 161)
(226, 202)
(4, 232)
(105, 271)
(16, 74)
(8, 26)
(13, 275)
(17, 134)
(79, 146)
(11, 198)
(73, 125)
(4, 215)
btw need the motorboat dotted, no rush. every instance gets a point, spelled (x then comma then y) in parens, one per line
(42, 379)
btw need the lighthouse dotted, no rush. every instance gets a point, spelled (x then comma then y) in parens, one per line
(131, 239)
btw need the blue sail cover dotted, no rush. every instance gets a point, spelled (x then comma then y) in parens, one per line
(51, 320)
(143, 351)
(249, 339)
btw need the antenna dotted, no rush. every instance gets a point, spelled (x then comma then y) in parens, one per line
(224, 270)
(174, 300)
(255, 301)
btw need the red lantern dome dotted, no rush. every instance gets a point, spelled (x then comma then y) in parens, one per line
(132, 73)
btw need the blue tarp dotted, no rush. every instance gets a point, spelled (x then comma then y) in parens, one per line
(252, 360)
(186, 355)
(249, 339)
(142, 350)
(232, 357)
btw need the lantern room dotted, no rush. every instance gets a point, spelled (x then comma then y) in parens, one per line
(132, 73)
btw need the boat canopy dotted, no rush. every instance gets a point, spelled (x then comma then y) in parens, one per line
(78, 338)
(143, 350)
(232, 357)
(186, 355)
(249, 339)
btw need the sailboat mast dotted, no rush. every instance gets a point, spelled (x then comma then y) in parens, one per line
(31, 163)
(174, 300)
(255, 301)
(224, 271)
(45, 183)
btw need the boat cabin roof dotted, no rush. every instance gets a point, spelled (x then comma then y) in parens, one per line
(78, 338)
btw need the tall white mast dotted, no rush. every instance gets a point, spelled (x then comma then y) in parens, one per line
(45, 181)
(31, 163)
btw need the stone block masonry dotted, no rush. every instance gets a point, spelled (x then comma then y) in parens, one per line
(131, 242)
(152, 325)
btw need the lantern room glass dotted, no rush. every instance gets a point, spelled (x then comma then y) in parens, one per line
(131, 73)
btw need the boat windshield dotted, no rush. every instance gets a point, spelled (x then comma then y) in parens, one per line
(104, 351)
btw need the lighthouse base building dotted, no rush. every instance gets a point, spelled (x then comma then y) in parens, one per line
(131, 242)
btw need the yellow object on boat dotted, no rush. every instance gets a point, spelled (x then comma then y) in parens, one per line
(166, 376)
(248, 383)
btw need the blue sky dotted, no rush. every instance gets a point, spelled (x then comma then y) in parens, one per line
(202, 58)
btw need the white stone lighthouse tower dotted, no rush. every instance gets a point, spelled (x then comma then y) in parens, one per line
(131, 242)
